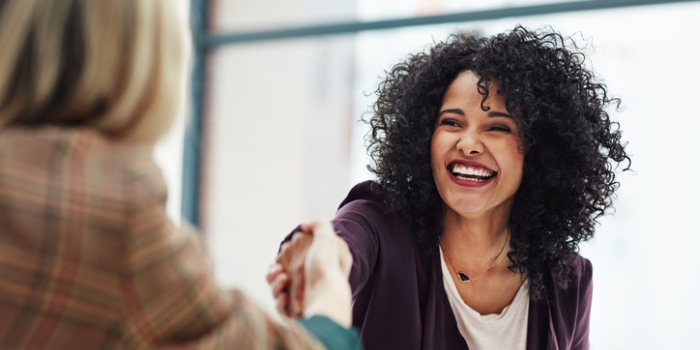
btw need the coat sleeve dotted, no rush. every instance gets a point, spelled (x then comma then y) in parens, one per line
(361, 226)
(169, 293)
(583, 316)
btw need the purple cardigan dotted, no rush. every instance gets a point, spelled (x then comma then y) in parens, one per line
(399, 300)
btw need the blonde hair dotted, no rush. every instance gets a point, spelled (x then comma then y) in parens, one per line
(115, 65)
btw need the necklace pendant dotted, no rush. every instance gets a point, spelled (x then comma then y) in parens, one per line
(462, 277)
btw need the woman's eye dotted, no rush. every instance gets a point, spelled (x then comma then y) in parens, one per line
(449, 122)
(500, 128)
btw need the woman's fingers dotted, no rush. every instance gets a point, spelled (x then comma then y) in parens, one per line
(272, 272)
(290, 263)
(279, 284)
(278, 279)
(327, 291)
(300, 245)
(282, 304)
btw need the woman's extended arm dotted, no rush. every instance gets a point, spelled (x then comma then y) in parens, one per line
(171, 298)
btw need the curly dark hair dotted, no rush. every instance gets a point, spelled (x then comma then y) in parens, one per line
(570, 144)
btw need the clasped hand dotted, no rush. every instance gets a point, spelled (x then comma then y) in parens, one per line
(310, 274)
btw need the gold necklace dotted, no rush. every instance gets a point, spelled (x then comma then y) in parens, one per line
(461, 275)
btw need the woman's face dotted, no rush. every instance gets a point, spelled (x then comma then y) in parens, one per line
(475, 154)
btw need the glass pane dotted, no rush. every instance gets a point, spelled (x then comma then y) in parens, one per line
(251, 15)
(279, 147)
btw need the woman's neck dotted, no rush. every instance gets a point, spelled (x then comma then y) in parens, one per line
(472, 240)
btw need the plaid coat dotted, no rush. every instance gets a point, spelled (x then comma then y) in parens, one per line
(89, 259)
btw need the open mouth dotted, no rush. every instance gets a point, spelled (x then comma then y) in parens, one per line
(470, 173)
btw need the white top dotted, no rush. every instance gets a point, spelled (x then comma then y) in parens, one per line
(507, 330)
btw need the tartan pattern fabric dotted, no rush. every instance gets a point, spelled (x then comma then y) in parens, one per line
(90, 260)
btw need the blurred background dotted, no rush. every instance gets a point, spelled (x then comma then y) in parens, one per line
(271, 135)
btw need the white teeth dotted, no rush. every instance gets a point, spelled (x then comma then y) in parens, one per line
(470, 171)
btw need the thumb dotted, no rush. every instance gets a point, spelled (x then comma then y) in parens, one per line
(327, 246)
(318, 227)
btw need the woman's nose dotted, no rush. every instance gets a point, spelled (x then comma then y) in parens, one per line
(470, 143)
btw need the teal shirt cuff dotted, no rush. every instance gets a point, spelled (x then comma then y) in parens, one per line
(331, 334)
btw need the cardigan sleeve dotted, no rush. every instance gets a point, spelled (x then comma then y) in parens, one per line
(170, 297)
(583, 317)
(360, 225)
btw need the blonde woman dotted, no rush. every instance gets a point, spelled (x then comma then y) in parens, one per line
(88, 257)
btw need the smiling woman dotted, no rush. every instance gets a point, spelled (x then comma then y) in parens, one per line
(494, 158)
(569, 143)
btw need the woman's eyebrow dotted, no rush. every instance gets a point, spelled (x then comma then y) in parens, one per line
(494, 114)
(491, 114)
(451, 110)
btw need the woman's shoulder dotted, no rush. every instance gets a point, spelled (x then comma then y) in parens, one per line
(366, 201)
(80, 144)
(364, 214)
(584, 269)
(580, 285)
(366, 192)
(584, 278)
(63, 153)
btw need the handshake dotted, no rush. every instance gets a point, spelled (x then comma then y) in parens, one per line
(310, 275)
